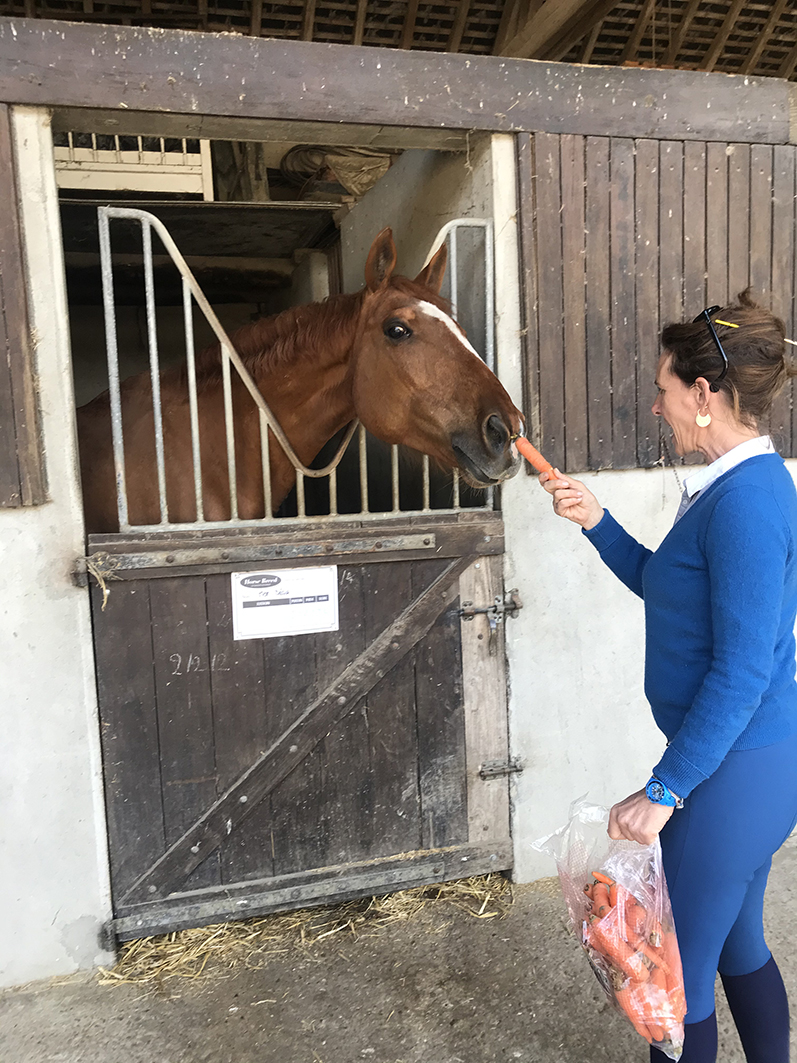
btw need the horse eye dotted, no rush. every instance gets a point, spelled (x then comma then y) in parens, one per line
(395, 330)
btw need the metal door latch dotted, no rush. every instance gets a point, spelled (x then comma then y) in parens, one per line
(495, 769)
(508, 605)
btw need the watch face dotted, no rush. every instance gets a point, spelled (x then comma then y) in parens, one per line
(655, 791)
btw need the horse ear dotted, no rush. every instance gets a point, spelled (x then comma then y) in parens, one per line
(381, 261)
(431, 276)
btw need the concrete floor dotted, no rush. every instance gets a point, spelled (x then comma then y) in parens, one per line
(442, 987)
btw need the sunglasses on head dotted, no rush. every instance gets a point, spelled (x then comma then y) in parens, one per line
(705, 315)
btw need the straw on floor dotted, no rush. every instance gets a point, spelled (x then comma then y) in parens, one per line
(149, 962)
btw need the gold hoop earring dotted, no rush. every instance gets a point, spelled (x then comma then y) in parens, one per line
(703, 420)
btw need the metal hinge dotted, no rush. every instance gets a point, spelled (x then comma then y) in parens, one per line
(495, 769)
(508, 605)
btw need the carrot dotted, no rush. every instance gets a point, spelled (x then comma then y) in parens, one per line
(600, 899)
(608, 942)
(613, 894)
(602, 878)
(627, 1002)
(533, 456)
(654, 955)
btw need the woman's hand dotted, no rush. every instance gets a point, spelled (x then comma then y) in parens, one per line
(637, 819)
(571, 499)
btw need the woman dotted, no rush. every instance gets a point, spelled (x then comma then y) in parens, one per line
(720, 599)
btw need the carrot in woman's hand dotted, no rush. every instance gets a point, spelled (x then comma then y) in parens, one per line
(533, 456)
(600, 877)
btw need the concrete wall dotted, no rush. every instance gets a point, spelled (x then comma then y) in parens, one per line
(420, 193)
(54, 892)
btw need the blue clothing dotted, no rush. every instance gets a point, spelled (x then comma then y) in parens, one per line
(717, 851)
(720, 599)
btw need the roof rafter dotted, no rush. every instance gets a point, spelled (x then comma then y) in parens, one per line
(556, 27)
(454, 41)
(715, 51)
(674, 46)
(632, 44)
(763, 37)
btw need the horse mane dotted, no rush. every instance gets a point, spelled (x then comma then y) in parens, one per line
(274, 342)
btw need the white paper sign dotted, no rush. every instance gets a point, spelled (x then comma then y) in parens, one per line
(284, 601)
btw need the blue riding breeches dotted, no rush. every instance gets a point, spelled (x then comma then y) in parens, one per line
(717, 854)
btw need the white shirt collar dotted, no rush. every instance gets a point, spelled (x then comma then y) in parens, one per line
(751, 448)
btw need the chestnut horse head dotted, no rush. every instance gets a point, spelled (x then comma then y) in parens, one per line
(416, 379)
(389, 354)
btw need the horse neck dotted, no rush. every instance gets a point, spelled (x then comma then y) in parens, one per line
(299, 360)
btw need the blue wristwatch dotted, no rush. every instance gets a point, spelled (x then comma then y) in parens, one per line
(660, 794)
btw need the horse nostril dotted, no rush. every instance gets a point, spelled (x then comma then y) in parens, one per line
(496, 434)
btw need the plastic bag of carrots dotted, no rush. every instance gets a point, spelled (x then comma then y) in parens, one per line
(617, 898)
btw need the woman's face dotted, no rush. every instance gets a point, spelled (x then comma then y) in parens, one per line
(678, 405)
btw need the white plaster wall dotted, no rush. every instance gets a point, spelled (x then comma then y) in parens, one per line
(420, 193)
(54, 891)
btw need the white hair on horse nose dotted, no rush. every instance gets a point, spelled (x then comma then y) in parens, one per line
(435, 311)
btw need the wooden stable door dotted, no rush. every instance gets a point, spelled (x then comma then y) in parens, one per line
(249, 776)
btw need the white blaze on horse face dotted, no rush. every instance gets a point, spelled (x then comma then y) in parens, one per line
(435, 311)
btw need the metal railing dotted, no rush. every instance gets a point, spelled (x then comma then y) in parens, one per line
(230, 361)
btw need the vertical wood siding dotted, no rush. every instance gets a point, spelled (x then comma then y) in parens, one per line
(619, 237)
(21, 468)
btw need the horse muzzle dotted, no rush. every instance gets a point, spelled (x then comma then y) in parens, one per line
(487, 457)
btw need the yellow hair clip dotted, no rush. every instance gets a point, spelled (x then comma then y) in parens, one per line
(730, 324)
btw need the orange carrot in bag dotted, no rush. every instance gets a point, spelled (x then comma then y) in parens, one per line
(602, 878)
(625, 999)
(600, 897)
(618, 952)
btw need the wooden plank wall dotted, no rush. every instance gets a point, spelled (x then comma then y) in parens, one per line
(621, 236)
(21, 467)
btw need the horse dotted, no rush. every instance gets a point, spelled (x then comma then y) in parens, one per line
(390, 355)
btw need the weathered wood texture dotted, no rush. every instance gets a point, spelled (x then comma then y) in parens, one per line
(234, 762)
(22, 481)
(146, 69)
(620, 237)
(306, 888)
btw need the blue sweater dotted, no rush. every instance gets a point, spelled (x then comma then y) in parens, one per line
(720, 599)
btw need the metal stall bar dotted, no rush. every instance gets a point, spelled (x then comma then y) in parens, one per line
(111, 344)
(154, 368)
(229, 430)
(229, 354)
(196, 453)
(267, 420)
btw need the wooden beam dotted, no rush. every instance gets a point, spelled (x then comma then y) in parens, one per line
(787, 66)
(632, 44)
(674, 47)
(408, 32)
(553, 21)
(301, 889)
(308, 20)
(715, 51)
(508, 24)
(359, 25)
(256, 23)
(233, 81)
(202, 13)
(458, 28)
(563, 45)
(589, 44)
(751, 61)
